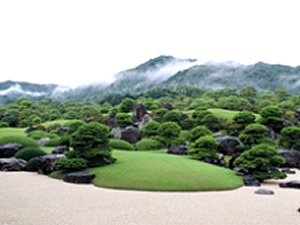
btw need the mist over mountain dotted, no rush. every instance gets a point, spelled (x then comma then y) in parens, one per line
(165, 72)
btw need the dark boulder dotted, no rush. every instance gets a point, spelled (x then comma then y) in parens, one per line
(112, 120)
(46, 164)
(79, 177)
(178, 150)
(184, 116)
(30, 129)
(139, 111)
(227, 145)
(290, 184)
(9, 150)
(287, 123)
(12, 164)
(131, 135)
(292, 158)
(271, 134)
(251, 181)
(232, 159)
(168, 106)
(297, 114)
(61, 130)
(60, 149)
(288, 171)
(217, 162)
(262, 191)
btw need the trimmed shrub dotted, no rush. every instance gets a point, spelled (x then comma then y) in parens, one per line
(123, 120)
(198, 132)
(120, 144)
(71, 164)
(39, 134)
(148, 144)
(54, 142)
(41, 127)
(151, 129)
(19, 139)
(31, 164)
(29, 152)
(4, 124)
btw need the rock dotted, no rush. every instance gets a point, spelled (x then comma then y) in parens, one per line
(287, 123)
(79, 177)
(45, 164)
(290, 184)
(112, 120)
(131, 135)
(30, 129)
(288, 171)
(217, 162)
(42, 141)
(146, 119)
(184, 116)
(9, 150)
(271, 133)
(117, 132)
(297, 114)
(12, 164)
(61, 130)
(298, 210)
(292, 158)
(227, 145)
(60, 149)
(168, 106)
(251, 181)
(88, 120)
(240, 170)
(233, 158)
(262, 191)
(178, 150)
(139, 111)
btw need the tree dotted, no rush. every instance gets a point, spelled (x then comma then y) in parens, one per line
(272, 116)
(123, 119)
(198, 132)
(204, 147)
(231, 102)
(151, 129)
(240, 121)
(290, 138)
(249, 93)
(127, 105)
(211, 122)
(168, 133)
(253, 134)
(171, 116)
(261, 161)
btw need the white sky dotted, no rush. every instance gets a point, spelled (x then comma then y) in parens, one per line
(74, 42)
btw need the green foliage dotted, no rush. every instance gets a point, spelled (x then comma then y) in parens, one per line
(31, 164)
(29, 152)
(188, 124)
(290, 138)
(120, 144)
(24, 123)
(123, 120)
(4, 124)
(205, 146)
(90, 142)
(148, 144)
(261, 161)
(168, 132)
(19, 139)
(254, 134)
(198, 132)
(171, 116)
(54, 142)
(159, 113)
(71, 164)
(211, 122)
(272, 116)
(200, 112)
(150, 129)
(39, 134)
(231, 102)
(240, 121)
(127, 105)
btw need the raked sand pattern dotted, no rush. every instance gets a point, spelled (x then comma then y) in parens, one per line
(33, 199)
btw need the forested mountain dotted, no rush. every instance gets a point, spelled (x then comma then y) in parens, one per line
(166, 72)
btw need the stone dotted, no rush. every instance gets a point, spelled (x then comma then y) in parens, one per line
(12, 164)
(139, 111)
(262, 191)
(112, 120)
(79, 177)
(42, 141)
(287, 123)
(232, 159)
(240, 170)
(292, 158)
(227, 145)
(61, 130)
(30, 129)
(46, 164)
(271, 134)
(298, 210)
(9, 150)
(146, 119)
(60, 149)
(116, 132)
(297, 114)
(288, 171)
(131, 135)
(168, 106)
(178, 150)
(184, 116)
(290, 184)
(250, 181)
(88, 120)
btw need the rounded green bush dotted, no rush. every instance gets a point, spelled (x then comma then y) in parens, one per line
(38, 134)
(148, 144)
(31, 164)
(19, 139)
(71, 164)
(4, 124)
(54, 142)
(29, 152)
(120, 144)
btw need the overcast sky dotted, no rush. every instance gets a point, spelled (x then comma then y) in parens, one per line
(74, 42)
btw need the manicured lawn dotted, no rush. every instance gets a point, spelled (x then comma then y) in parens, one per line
(12, 131)
(159, 171)
(47, 124)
